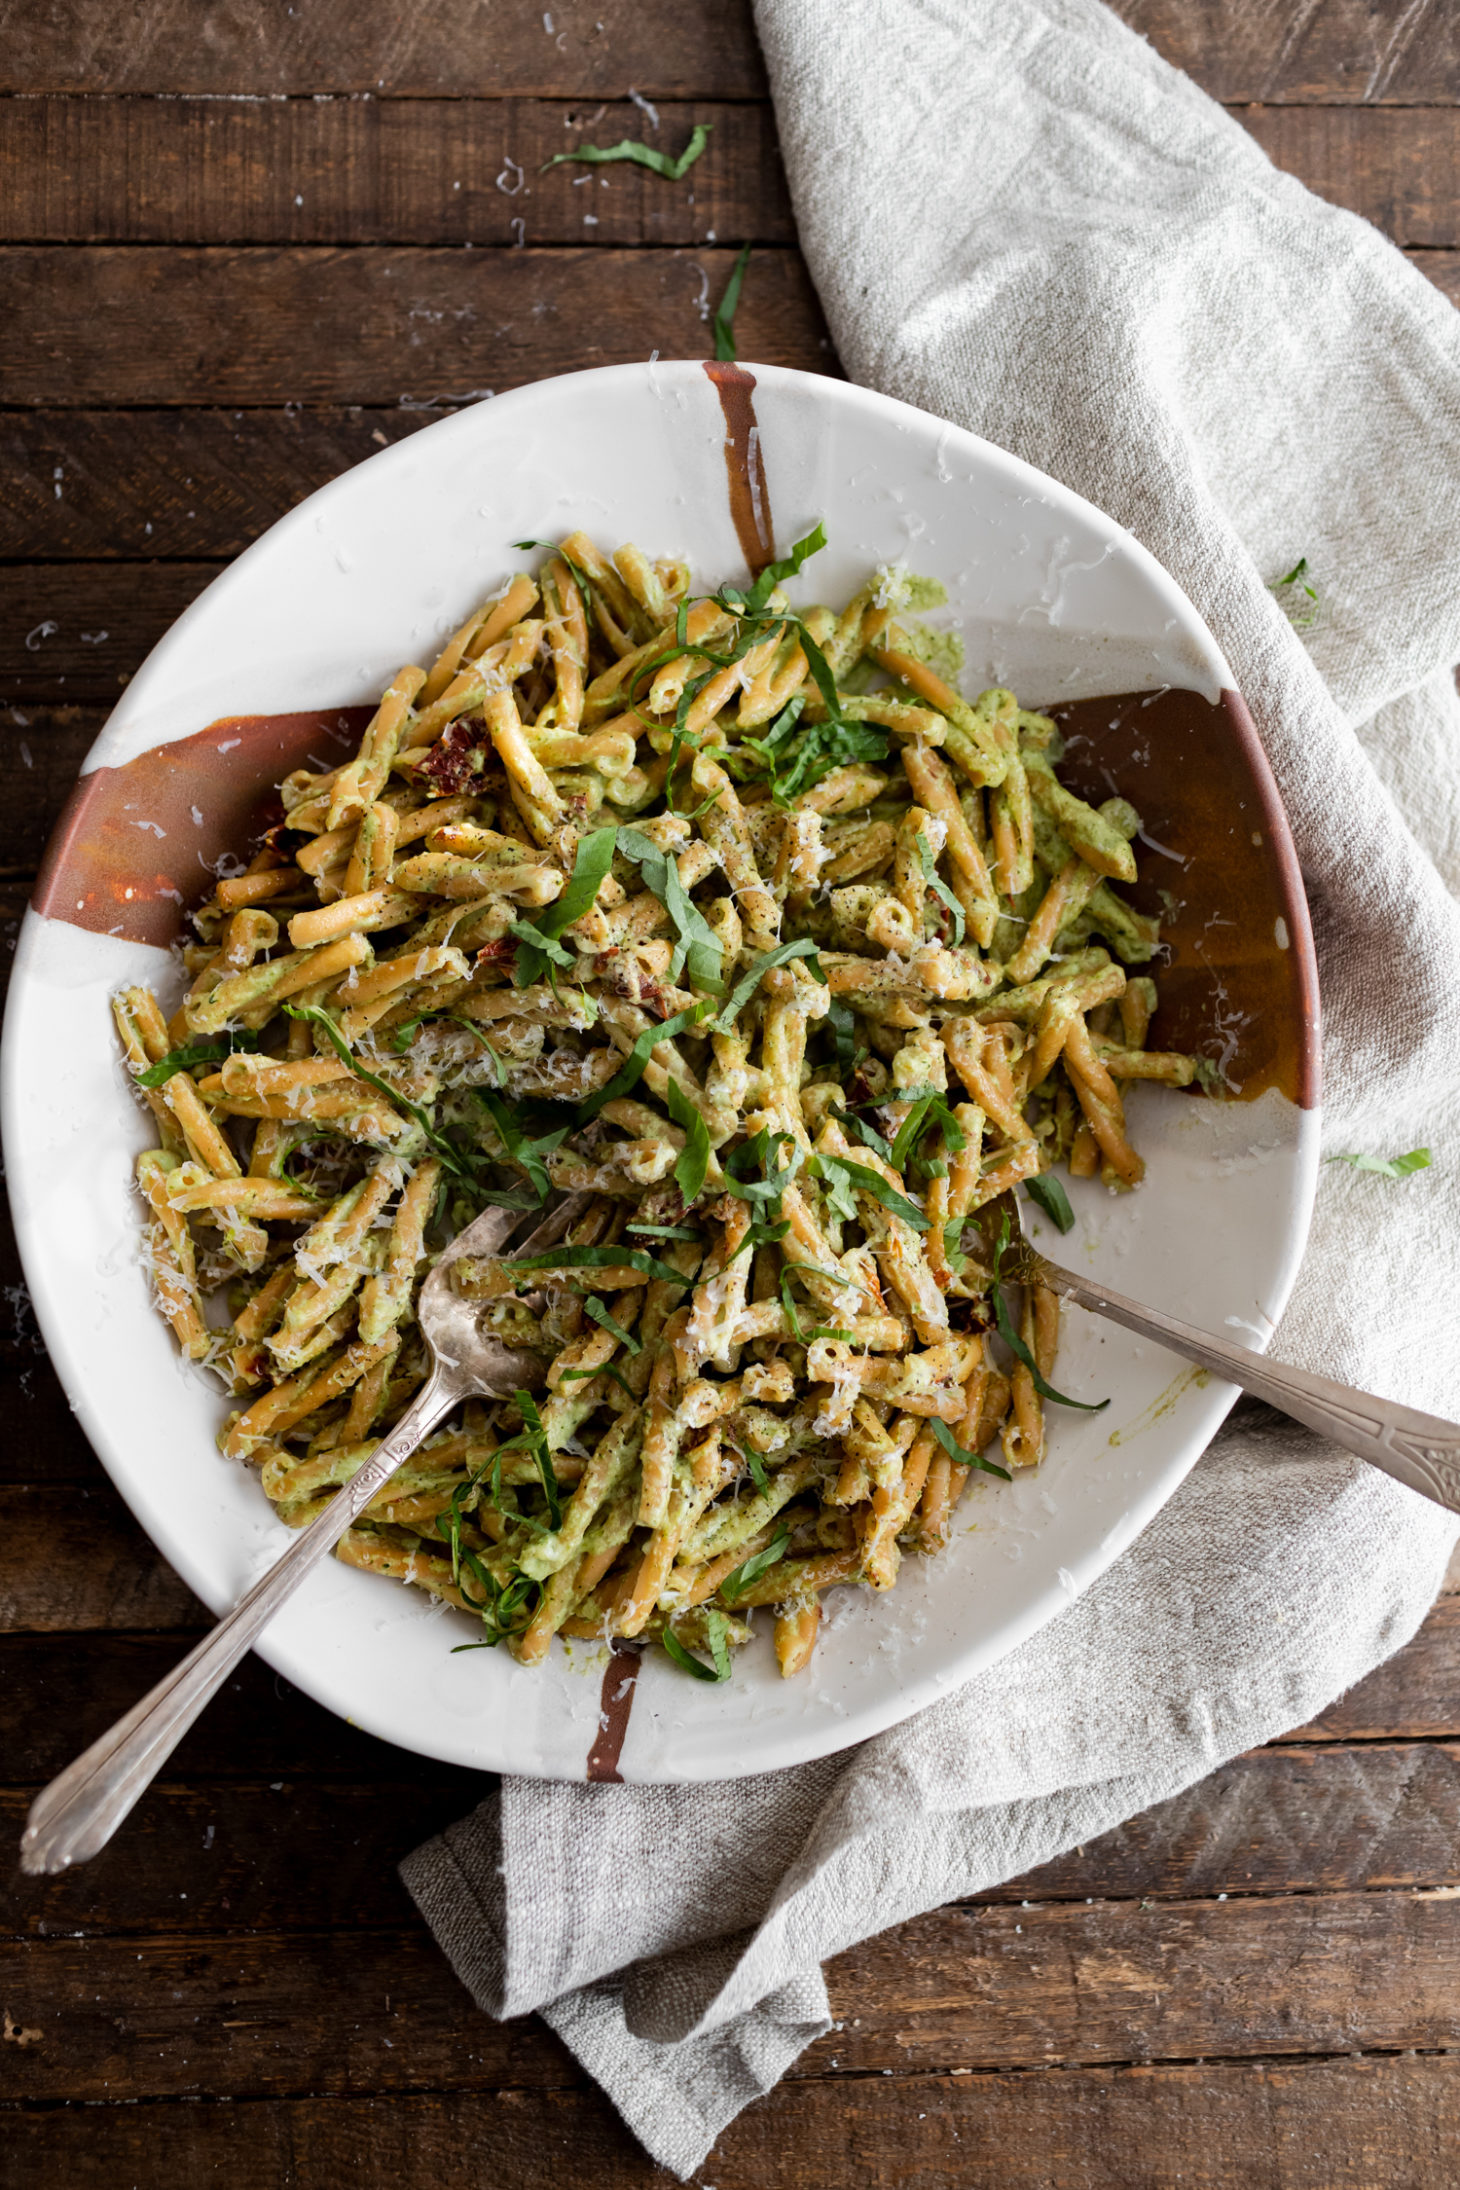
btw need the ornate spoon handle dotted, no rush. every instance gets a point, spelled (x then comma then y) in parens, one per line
(1417, 1449)
(78, 1813)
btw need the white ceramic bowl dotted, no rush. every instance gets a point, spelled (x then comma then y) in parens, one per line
(1052, 598)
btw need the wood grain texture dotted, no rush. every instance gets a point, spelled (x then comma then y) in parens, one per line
(41, 751)
(113, 324)
(1345, 51)
(1326, 51)
(74, 1560)
(269, 1855)
(1374, 2124)
(342, 170)
(62, 1691)
(1397, 166)
(141, 485)
(44, 1443)
(454, 49)
(252, 1856)
(74, 632)
(350, 170)
(974, 1988)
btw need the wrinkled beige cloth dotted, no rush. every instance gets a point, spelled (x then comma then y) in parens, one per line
(1019, 218)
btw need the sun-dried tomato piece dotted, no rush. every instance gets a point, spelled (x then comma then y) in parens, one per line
(459, 759)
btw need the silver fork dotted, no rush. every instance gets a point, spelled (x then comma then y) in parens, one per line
(1419, 1450)
(77, 1814)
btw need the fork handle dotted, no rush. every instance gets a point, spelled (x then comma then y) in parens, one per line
(77, 1814)
(1419, 1450)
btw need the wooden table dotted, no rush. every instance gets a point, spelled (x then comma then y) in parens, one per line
(243, 247)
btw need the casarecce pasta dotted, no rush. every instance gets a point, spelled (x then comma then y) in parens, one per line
(740, 922)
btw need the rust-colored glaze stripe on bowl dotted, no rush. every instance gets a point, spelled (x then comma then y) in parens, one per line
(615, 1702)
(136, 846)
(1217, 864)
(750, 498)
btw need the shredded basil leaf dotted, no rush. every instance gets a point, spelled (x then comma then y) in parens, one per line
(840, 1174)
(940, 888)
(843, 1028)
(631, 1071)
(537, 943)
(536, 1441)
(520, 1150)
(643, 155)
(725, 350)
(760, 1562)
(776, 574)
(963, 1456)
(1286, 591)
(205, 1052)
(694, 1157)
(455, 1159)
(756, 972)
(689, 1663)
(1388, 1167)
(598, 1258)
(665, 1231)
(761, 1235)
(1016, 1344)
(789, 1304)
(583, 1376)
(1049, 1192)
(869, 1135)
(698, 947)
(758, 1474)
(596, 1311)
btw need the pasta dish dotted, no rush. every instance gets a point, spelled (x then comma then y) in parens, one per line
(739, 922)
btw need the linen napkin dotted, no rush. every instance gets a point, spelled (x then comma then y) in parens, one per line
(1021, 219)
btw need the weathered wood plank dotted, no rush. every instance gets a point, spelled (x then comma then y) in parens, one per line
(40, 753)
(43, 1441)
(62, 1691)
(368, 2009)
(1397, 166)
(349, 170)
(1350, 51)
(272, 1855)
(1280, 1820)
(73, 1560)
(1151, 1980)
(339, 170)
(693, 49)
(193, 484)
(276, 1856)
(1347, 50)
(72, 632)
(361, 2009)
(1291, 2126)
(147, 324)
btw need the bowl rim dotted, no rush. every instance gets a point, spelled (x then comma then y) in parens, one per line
(832, 1734)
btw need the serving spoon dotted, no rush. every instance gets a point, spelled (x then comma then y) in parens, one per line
(75, 1817)
(1418, 1450)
